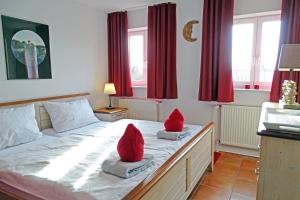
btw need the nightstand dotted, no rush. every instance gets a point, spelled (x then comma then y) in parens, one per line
(111, 115)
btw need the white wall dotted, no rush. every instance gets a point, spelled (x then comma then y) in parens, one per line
(255, 6)
(137, 18)
(188, 62)
(78, 43)
(78, 46)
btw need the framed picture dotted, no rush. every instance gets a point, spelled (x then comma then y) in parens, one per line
(27, 49)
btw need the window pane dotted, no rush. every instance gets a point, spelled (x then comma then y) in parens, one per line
(269, 50)
(242, 47)
(136, 56)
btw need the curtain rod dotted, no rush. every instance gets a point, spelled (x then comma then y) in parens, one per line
(136, 8)
(146, 5)
(141, 6)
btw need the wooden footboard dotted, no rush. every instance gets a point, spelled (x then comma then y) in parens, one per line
(178, 176)
(175, 179)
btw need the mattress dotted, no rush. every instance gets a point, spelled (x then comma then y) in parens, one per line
(73, 159)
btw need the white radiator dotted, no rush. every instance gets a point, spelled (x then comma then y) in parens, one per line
(239, 126)
(141, 108)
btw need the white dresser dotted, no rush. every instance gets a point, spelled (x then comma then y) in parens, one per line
(279, 165)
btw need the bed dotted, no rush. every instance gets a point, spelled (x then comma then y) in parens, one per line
(178, 166)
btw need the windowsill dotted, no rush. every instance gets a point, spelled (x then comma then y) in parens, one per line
(235, 89)
(139, 87)
(145, 99)
(218, 104)
(252, 90)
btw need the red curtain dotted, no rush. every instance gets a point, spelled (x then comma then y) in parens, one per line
(118, 59)
(289, 34)
(161, 80)
(216, 62)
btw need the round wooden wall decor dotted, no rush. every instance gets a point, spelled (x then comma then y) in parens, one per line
(188, 30)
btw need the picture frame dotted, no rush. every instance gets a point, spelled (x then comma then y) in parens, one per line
(27, 49)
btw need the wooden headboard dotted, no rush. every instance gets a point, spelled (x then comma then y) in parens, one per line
(42, 117)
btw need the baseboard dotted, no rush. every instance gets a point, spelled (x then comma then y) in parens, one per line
(238, 150)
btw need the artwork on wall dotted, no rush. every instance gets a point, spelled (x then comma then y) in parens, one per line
(27, 49)
(188, 30)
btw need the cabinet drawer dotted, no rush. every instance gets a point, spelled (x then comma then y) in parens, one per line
(112, 116)
(120, 115)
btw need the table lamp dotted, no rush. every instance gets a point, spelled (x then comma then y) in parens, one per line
(109, 89)
(289, 60)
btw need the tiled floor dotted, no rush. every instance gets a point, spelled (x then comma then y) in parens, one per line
(233, 178)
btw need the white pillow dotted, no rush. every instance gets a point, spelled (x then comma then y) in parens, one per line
(18, 125)
(70, 114)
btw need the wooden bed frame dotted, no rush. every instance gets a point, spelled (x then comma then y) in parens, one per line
(175, 179)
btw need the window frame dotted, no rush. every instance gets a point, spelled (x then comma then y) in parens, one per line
(257, 19)
(260, 21)
(139, 31)
(241, 84)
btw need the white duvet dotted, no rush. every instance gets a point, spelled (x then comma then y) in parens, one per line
(73, 158)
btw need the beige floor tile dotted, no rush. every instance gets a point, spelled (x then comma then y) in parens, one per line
(245, 188)
(249, 164)
(247, 175)
(233, 178)
(226, 169)
(219, 181)
(231, 160)
(237, 196)
(211, 193)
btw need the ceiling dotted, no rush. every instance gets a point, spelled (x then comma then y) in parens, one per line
(116, 5)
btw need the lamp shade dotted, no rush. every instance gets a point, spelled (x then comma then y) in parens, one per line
(109, 88)
(289, 57)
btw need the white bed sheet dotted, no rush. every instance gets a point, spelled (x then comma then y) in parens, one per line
(78, 131)
(12, 150)
(74, 160)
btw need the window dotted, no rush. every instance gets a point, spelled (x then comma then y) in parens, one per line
(254, 50)
(137, 42)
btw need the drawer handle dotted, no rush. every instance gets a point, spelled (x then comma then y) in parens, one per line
(256, 171)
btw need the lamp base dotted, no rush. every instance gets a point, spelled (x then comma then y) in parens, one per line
(294, 106)
(109, 108)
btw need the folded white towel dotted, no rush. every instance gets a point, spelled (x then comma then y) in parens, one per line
(163, 134)
(126, 169)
